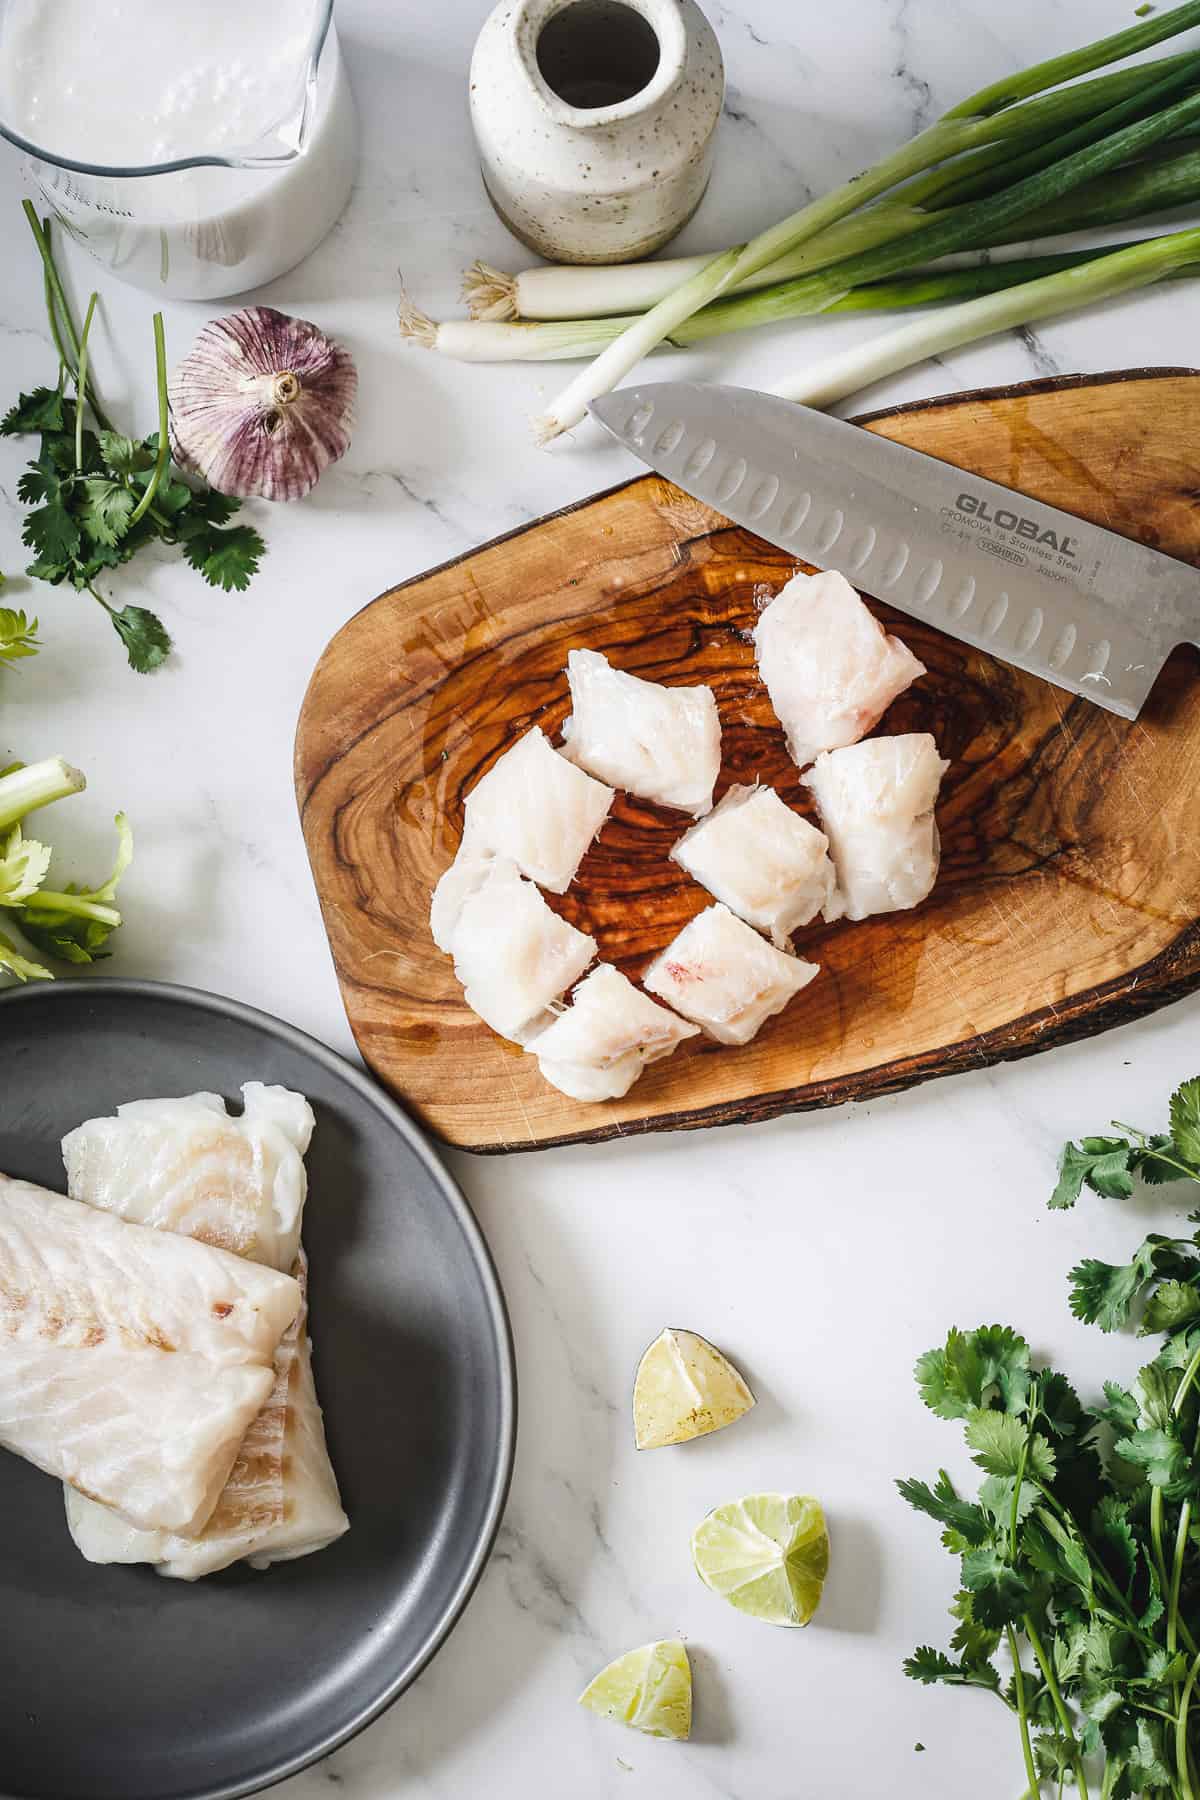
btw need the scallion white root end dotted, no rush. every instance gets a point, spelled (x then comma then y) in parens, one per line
(415, 325)
(489, 293)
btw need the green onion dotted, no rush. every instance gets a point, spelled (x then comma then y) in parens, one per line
(1168, 177)
(967, 125)
(1100, 278)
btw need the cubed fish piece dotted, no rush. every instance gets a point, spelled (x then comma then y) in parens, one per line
(763, 861)
(876, 802)
(660, 743)
(597, 1049)
(513, 955)
(828, 665)
(721, 974)
(537, 809)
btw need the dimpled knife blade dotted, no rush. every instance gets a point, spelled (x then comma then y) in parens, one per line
(1092, 612)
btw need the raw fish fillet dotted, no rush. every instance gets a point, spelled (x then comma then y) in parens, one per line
(763, 861)
(830, 668)
(513, 955)
(538, 810)
(186, 1166)
(661, 743)
(723, 975)
(876, 802)
(281, 1499)
(249, 1506)
(597, 1050)
(274, 1503)
(131, 1361)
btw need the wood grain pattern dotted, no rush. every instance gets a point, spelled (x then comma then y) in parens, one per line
(1069, 897)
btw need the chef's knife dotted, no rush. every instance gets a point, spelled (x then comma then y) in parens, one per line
(1079, 606)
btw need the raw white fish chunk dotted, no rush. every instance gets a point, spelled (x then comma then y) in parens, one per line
(763, 861)
(597, 1050)
(131, 1361)
(660, 743)
(828, 665)
(537, 809)
(876, 801)
(719, 972)
(465, 876)
(184, 1165)
(513, 955)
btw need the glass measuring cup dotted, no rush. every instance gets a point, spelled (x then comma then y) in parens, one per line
(217, 220)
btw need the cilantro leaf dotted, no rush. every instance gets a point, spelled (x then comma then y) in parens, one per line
(965, 1523)
(52, 532)
(1113, 1537)
(1157, 1160)
(996, 1499)
(1103, 1164)
(43, 410)
(1121, 1412)
(1185, 1119)
(999, 1444)
(928, 1666)
(974, 1368)
(1104, 1293)
(1053, 1551)
(226, 556)
(1163, 1457)
(123, 456)
(144, 636)
(999, 1594)
(1173, 1303)
(214, 508)
(38, 483)
(107, 505)
(974, 1642)
(1053, 1756)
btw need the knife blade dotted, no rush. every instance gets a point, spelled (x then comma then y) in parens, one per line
(1079, 606)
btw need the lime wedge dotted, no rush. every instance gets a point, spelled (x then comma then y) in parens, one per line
(684, 1388)
(649, 1690)
(768, 1554)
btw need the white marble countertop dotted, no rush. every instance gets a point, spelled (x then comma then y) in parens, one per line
(824, 1252)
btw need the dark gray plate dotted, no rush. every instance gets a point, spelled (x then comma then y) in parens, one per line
(118, 1685)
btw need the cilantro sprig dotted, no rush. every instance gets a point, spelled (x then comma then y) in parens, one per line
(1107, 1165)
(96, 497)
(1080, 1554)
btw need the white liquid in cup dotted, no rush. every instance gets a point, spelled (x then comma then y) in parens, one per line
(136, 82)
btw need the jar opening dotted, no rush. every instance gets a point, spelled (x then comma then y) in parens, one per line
(597, 53)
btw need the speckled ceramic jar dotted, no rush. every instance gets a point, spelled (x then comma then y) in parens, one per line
(595, 121)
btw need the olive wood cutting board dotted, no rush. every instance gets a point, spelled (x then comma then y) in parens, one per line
(1069, 894)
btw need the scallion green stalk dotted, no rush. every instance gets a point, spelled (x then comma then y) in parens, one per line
(955, 131)
(1116, 272)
